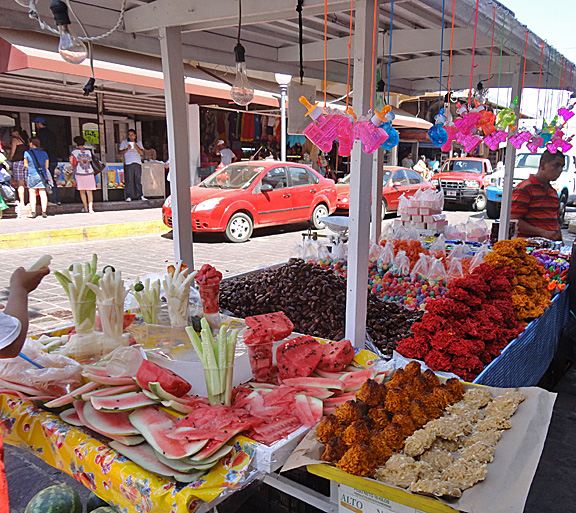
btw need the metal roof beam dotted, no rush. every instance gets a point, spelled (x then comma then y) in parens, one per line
(202, 15)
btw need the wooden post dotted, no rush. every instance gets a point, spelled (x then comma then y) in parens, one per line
(360, 181)
(178, 151)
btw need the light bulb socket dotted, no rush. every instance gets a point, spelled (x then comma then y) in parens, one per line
(89, 87)
(239, 53)
(380, 86)
(60, 11)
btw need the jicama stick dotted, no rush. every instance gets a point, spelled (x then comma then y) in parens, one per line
(111, 294)
(177, 289)
(43, 261)
(147, 295)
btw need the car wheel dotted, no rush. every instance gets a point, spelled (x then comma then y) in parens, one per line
(562, 210)
(239, 228)
(492, 210)
(480, 202)
(321, 210)
(384, 208)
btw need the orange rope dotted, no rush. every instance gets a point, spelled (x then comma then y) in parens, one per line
(349, 54)
(525, 53)
(451, 50)
(491, 47)
(373, 54)
(325, 47)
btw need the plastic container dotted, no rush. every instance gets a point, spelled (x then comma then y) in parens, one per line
(178, 308)
(219, 382)
(84, 314)
(261, 357)
(111, 318)
(210, 295)
(150, 310)
(124, 362)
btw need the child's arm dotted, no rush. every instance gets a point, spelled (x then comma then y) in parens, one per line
(21, 284)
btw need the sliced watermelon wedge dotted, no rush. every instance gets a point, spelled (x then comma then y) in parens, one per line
(107, 380)
(337, 400)
(303, 410)
(209, 454)
(150, 372)
(154, 424)
(319, 393)
(156, 389)
(268, 433)
(105, 392)
(121, 402)
(71, 417)
(109, 423)
(128, 440)
(72, 396)
(179, 465)
(354, 380)
(149, 394)
(145, 456)
(331, 384)
(316, 406)
(328, 374)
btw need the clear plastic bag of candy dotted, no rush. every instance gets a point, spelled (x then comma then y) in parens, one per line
(479, 257)
(375, 252)
(438, 247)
(403, 204)
(437, 271)
(455, 269)
(422, 267)
(402, 262)
(388, 253)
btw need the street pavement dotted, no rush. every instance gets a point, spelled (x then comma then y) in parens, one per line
(134, 256)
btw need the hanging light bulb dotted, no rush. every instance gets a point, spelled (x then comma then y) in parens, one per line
(380, 96)
(480, 93)
(70, 48)
(242, 91)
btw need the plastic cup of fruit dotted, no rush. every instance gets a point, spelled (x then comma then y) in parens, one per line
(178, 308)
(84, 315)
(261, 356)
(111, 318)
(150, 310)
(210, 294)
(219, 384)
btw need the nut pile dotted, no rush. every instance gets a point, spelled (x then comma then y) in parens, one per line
(314, 299)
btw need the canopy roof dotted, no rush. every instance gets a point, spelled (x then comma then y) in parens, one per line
(270, 37)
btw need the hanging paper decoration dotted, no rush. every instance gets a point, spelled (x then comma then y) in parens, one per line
(566, 113)
(495, 138)
(437, 133)
(535, 142)
(468, 119)
(519, 138)
(469, 141)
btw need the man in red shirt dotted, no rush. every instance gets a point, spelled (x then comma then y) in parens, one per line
(535, 202)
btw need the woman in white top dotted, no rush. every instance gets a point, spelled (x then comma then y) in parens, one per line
(81, 160)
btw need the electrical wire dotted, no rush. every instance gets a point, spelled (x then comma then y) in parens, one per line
(300, 39)
(451, 52)
(473, 53)
(539, 81)
(239, 20)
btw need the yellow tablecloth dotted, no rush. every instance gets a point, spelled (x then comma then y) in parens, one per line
(110, 475)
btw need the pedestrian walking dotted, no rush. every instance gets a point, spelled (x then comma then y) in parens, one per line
(407, 161)
(19, 144)
(81, 160)
(49, 143)
(36, 162)
(132, 150)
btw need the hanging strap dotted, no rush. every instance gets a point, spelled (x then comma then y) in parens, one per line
(390, 48)
(300, 37)
(473, 53)
(375, 26)
(451, 50)
(491, 47)
(441, 57)
(349, 55)
(325, 47)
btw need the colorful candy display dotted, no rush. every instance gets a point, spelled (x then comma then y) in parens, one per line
(555, 268)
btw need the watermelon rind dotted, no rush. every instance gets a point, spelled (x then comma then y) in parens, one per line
(145, 456)
(331, 384)
(215, 456)
(113, 390)
(71, 396)
(183, 466)
(95, 502)
(55, 499)
(71, 417)
(151, 395)
(121, 402)
(179, 407)
(104, 509)
(128, 440)
(108, 380)
(156, 388)
(116, 423)
(153, 425)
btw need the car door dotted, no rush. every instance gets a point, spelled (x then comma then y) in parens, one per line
(303, 187)
(274, 203)
(398, 186)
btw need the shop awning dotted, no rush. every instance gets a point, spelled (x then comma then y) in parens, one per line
(404, 119)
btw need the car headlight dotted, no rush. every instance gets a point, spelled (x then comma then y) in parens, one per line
(343, 200)
(434, 181)
(472, 184)
(208, 204)
(168, 202)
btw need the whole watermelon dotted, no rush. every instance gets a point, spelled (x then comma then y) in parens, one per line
(55, 499)
(94, 502)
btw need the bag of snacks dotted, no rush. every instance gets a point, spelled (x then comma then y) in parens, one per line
(422, 267)
(402, 262)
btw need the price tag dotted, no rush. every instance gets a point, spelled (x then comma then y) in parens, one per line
(351, 500)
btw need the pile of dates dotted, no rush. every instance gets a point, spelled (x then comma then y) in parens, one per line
(314, 299)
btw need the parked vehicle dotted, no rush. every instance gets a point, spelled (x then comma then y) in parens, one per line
(525, 165)
(247, 195)
(464, 180)
(397, 181)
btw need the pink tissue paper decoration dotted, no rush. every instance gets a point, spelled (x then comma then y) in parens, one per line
(452, 131)
(469, 141)
(519, 139)
(556, 141)
(535, 143)
(494, 139)
(469, 121)
(566, 146)
(370, 135)
(565, 113)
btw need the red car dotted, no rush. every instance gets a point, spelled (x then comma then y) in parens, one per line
(246, 195)
(397, 181)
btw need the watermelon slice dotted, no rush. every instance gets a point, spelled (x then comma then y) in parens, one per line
(128, 440)
(316, 407)
(209, 454)
(337, 400)
(145, 456)
(327, 410)
(121, 402)
(298, 357)
(149, 394)
(354, 380)
(268, 433)
(72, 396)
(154, 424)
(329, 375)
(181, 465)
(156, 389)
(274, 325)
(109, 423)
(315, 392)
(150, 372)
(71, 417)
(331, 384)
(104, 379)
(336, 356)
(104, 392)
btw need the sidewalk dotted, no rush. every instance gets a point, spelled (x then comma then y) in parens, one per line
(142, 218)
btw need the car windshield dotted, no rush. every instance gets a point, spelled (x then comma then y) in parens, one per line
(234, 176)
(385, 179)
(532, 160)
(466, 166)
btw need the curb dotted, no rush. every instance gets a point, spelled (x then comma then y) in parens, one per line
(85, 234)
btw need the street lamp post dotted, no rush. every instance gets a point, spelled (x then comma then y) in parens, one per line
(283, 81)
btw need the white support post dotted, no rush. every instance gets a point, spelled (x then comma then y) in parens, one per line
(178, 150)
(360, 182)
(377, 178)
(194, 144)
(503, 229)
